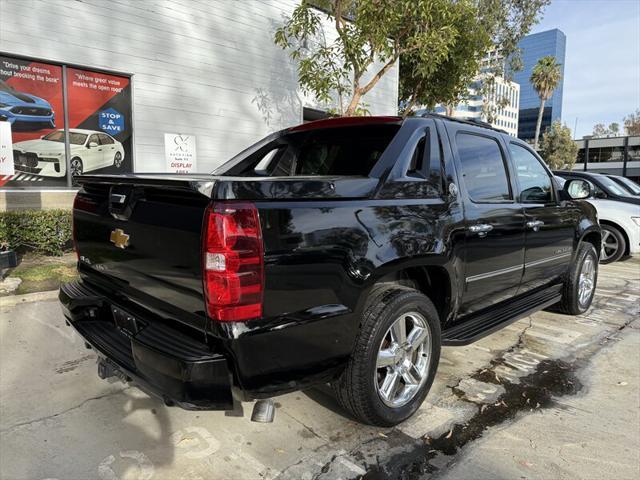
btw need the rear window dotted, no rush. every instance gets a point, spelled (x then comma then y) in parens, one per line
(345, 151)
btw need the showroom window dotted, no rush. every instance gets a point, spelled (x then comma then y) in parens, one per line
(63, 121)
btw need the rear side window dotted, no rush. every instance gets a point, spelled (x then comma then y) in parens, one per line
(105, 139)
(483, 168)
(342, 151)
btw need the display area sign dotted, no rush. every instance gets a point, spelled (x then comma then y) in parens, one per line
(180, 152)
(6, 150)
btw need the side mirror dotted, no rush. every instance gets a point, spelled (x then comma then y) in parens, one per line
(577, 189)
(92, 145)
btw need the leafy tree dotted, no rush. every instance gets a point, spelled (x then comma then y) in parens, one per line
(558, 148)
(614, 128)
(599, 130)
(486, 38)
(377, 34)
(440, 44)
(426, 82)
(544, 79)
(632, 123)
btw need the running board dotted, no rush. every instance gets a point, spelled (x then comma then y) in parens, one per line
(490, 321)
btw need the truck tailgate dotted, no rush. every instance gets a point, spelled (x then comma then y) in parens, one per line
(141, 237)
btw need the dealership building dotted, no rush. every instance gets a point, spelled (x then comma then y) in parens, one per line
(610, 155)
(116, 87)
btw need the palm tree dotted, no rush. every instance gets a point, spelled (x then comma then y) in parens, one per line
(544, 78)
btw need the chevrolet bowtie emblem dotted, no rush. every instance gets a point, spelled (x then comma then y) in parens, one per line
(119, 238)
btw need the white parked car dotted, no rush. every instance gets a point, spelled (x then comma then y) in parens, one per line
(90, 150)
(620, 223)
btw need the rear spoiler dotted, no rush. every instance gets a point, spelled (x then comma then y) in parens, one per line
(198, 183)
(247, 188)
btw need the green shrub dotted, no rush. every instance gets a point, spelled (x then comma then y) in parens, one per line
(41, 231)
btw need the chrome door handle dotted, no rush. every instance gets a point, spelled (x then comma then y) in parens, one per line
(535, 224)
(481, 229)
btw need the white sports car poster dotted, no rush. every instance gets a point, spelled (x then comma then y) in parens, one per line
(99, 133)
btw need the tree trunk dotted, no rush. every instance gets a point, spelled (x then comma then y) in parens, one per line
(449, 108)
(409, 107)
(538, 124)
(353, 105)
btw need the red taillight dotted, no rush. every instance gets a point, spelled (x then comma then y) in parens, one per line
(232, 263)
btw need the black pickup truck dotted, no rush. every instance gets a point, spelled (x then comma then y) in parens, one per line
(343, 251)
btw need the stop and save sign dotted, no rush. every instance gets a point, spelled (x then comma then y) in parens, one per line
(6, 150)
(180, 152)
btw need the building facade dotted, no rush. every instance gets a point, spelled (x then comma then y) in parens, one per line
(612, 155)
(141, 78)
(534, 47)
(505, 113)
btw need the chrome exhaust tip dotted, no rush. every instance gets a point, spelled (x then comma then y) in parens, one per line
(263, 411)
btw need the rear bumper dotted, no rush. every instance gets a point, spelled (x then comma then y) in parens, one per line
(162, 361)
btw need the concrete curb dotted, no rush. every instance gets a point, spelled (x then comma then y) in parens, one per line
(13, 300)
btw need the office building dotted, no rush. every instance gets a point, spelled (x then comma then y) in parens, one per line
(505, 117)
(534, 47)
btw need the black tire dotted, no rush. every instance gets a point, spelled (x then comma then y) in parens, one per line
(355, 388)
(570, 303)
(117, 160)
(613, 244)
(77, 167)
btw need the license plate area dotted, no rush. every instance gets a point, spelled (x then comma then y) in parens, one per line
(126, 322)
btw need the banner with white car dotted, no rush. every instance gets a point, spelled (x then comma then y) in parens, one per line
(99, 133)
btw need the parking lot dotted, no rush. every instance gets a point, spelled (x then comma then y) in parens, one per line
(551, 396)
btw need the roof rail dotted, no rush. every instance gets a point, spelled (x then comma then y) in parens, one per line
(468, 121)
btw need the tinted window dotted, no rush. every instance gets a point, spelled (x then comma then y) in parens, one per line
(74, 137)
(612, 187)
(534, 181)
(321, 151)
(93, 138)
(418, 160)
(105, 139)
(483, 168)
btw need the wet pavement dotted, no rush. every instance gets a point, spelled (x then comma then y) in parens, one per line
(559, 383)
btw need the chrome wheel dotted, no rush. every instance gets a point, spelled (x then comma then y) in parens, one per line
(610, 245)
(587, 280)
(404, 355)
(76, 167)
(117, 160)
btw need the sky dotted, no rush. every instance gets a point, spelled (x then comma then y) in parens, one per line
(602, 64)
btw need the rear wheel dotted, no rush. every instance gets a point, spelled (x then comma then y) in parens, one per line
(395, 357)
(117, 160)
(580, 286)
(613, 244)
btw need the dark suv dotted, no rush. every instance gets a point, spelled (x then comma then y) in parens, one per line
(345, 250)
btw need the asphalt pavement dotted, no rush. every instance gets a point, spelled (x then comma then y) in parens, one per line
(550, 397)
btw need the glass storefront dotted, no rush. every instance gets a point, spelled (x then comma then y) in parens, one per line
(51, 144)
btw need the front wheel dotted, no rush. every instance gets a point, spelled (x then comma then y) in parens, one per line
(580, 285)
(395, 357)
(76, 167)
(613, 245)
